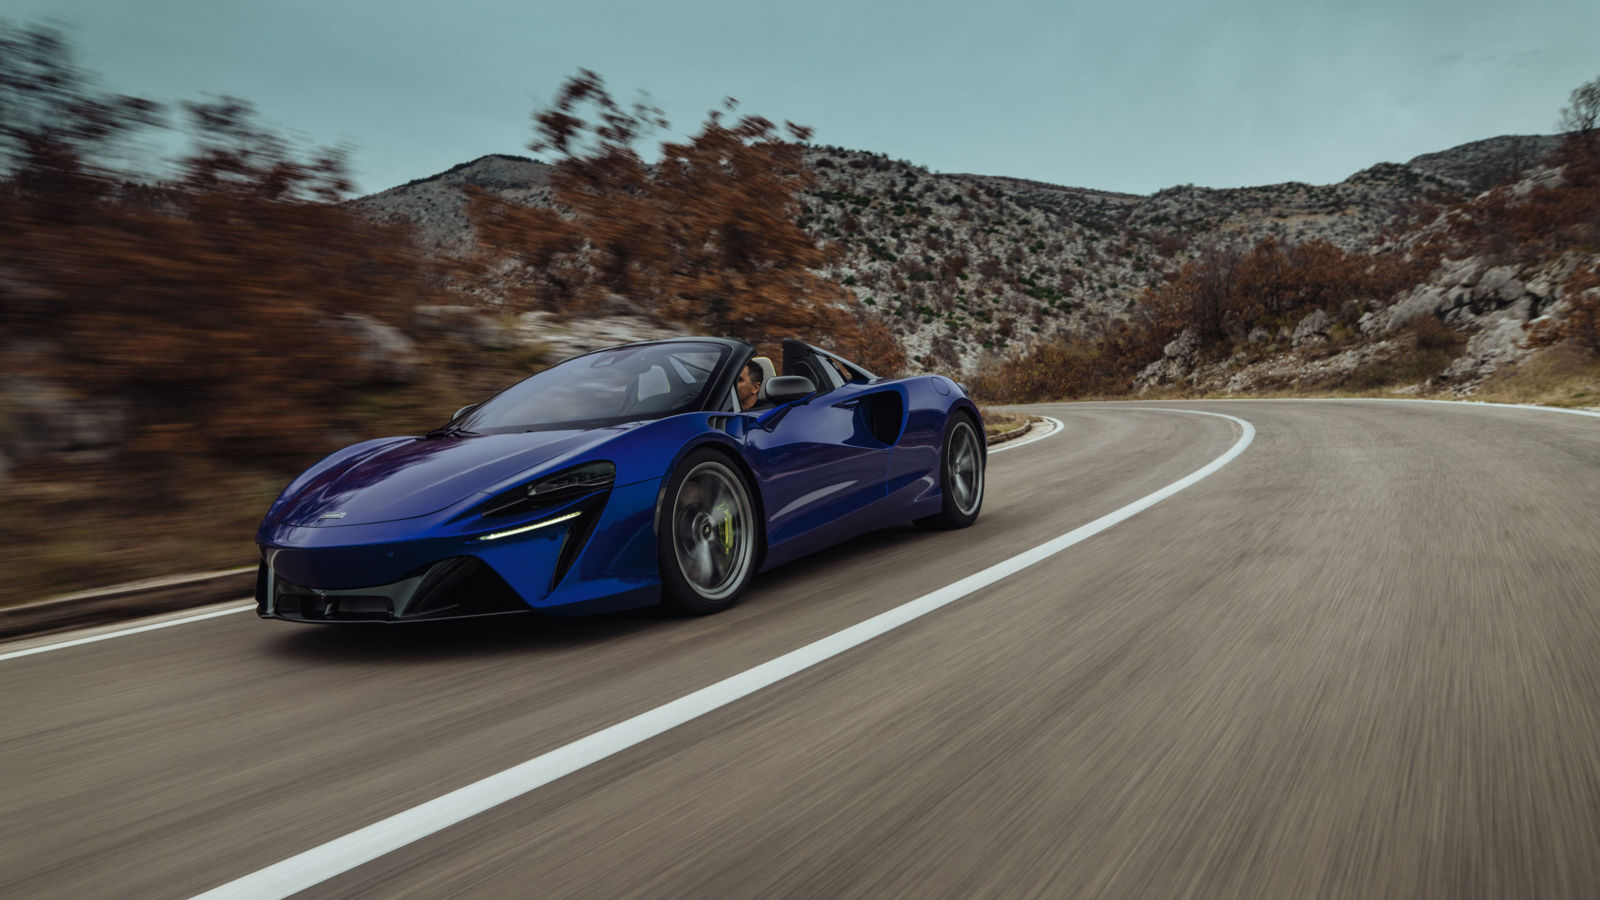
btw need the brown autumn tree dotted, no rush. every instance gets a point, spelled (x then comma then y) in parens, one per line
(707, 235)
(211, 309)
(58, 131)
(1580, 119)
(1201, 296)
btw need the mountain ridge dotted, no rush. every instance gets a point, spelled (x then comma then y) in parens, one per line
(962, 266)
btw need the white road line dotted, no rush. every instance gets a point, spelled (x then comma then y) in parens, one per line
(342, 854)
(1460, 404)
(1470, 403)
(137, 629)
(152, 626)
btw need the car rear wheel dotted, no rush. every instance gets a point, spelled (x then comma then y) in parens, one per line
(706, 542)
(961, 475)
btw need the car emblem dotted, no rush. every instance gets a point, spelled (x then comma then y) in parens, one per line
(337, 515)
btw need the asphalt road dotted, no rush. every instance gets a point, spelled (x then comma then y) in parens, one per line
(1360, 660)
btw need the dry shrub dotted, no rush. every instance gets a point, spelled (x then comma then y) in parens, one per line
(1071, 366)
(1426, 348)
(212, 307)
(1226, 293)
(870, 343)
(1430, 333)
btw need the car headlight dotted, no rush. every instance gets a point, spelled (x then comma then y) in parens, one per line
(552, 490)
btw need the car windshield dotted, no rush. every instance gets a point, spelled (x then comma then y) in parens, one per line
(646, 381)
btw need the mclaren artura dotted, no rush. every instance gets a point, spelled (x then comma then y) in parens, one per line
(664, 472)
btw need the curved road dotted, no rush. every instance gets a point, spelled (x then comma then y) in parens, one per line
(1361, 659)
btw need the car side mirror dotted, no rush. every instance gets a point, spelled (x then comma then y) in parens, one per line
(463, 411)
(786, 388)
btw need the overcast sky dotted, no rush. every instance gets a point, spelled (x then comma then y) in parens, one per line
(1127, 96)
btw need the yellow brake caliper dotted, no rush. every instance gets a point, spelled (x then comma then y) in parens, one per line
(727, 527)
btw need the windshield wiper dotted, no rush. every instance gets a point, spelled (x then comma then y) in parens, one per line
(447, 431)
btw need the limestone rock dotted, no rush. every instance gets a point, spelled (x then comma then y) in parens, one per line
(573, 336)
(44, 416)
(1500, 284)
(1183, 348)
(1162, 371)
(392, 354)
(1424, 300)
(1459, 272)
(1498, 341)
(466, 324)
(1313, 329)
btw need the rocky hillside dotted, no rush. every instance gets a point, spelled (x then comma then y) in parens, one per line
(1506, 272)
(1481, 165)
(436, 206)
(964, 267)
(1484, 310)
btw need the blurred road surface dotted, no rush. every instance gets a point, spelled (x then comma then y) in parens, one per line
(1361, 660)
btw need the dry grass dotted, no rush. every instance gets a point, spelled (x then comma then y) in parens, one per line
(78, 527)
(1563, 375)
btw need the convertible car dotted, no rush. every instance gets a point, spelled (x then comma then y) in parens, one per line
(660, 472)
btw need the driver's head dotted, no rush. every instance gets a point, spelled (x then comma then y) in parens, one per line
(749, 385)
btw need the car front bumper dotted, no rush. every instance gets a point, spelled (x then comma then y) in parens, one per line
(601, 559)
(458, 587)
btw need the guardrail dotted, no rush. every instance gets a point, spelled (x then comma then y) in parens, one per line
(126, 601)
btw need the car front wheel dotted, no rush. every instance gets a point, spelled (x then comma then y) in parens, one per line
(706, 543)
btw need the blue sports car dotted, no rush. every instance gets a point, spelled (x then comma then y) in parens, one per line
(660, 472)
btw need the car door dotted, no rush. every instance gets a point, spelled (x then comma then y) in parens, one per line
(823, 462)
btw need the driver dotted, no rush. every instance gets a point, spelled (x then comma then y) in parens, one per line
(749, 386)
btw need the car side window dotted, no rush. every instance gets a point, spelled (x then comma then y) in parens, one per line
(846, 377)
(830, 373)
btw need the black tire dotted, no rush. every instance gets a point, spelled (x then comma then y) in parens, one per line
(708, 538)
(961, 475)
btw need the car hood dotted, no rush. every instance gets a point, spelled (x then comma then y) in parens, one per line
(410, 478)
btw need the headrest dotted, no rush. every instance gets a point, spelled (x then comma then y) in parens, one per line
(653, 382)
(768, 372)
